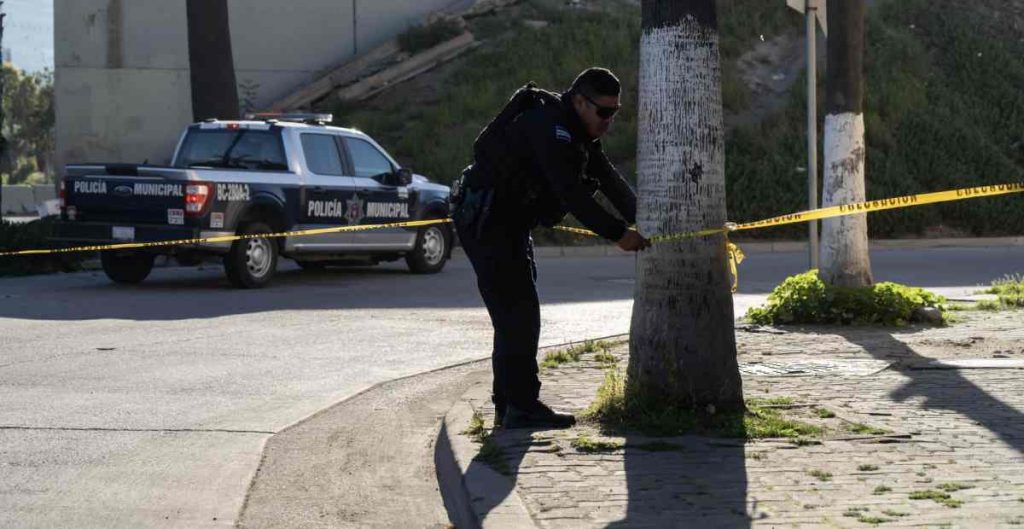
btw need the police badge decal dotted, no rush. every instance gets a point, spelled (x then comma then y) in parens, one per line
(354, 211)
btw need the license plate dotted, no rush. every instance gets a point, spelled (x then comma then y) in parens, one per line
(123, 233)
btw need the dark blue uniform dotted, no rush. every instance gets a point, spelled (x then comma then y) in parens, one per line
(550, 167)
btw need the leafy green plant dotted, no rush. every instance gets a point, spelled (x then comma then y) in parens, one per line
(805, 298)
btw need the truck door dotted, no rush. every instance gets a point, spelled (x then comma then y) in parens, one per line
(384, 201)
(327, 196)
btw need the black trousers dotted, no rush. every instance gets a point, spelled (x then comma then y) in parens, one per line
(506, 275)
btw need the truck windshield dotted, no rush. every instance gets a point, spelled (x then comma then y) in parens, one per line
(233, 149)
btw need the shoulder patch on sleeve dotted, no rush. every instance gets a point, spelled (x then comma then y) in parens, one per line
(562, 134)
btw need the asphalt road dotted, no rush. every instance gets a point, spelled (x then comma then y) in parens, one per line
(150, 406)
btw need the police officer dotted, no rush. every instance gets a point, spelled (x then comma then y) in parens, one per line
(537, 161)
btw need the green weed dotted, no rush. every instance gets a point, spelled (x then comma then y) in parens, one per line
(821, 475)
(583, 443)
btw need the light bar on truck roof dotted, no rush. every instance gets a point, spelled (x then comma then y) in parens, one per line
(298, 117)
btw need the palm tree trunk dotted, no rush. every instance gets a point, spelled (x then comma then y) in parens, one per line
(214, 92)
(844, 240)
(682, 342)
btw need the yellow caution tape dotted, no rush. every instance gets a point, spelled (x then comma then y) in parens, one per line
(736, 255)
(870, 206)
(735, 258)
(228, 238)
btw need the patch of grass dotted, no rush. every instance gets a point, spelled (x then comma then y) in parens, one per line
(771, 401)
(575, 353)
(490, 453)
(880, 490)
(759, 456)
(617, 407)
(873, 520)
(867, 468)
(937, 496)
(895, 514)
(805, 298)
(821, 475)
(606, 357)
(854, 512)
(763, 423)
(421, 38)
(953, 487)
(583, 443)
(864, 429)
(824, 413)
(1009, 290)
(989, 305)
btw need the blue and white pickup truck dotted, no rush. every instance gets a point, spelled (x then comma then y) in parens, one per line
(272, 174)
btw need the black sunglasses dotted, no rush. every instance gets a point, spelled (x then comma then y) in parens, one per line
(602, 112)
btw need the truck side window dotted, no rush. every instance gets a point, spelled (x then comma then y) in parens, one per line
(368, 161)
(321, 153)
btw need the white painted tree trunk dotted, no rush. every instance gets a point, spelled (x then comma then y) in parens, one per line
(683, 348)
(844, 240)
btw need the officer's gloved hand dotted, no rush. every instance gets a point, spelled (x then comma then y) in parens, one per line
(632, 241)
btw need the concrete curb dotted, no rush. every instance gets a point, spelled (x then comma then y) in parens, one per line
(751, 247)
(474, 494)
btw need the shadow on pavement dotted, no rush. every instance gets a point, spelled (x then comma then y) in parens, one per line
(681, 482)
(701, 485)
(943, 389)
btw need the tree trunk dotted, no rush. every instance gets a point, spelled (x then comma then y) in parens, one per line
(844, 240)
(214, 92)
(682, 341)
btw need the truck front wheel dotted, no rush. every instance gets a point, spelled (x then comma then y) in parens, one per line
(251, 262)
(127, 267)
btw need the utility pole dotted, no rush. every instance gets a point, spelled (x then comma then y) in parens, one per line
(212, 65)
(812, 10)
(845, 259)
(355, 34)
(812, 127)
(3, 140)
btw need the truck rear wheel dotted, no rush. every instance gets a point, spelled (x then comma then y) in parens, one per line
(127, 267)
(431, 251)
(251, 263)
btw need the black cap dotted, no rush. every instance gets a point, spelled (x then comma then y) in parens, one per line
(596, 82)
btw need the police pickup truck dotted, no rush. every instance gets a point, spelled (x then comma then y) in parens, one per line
(265, 174)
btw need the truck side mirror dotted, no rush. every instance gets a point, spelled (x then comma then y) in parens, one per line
(403, 176)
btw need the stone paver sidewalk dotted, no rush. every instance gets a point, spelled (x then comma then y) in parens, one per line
(954, 435)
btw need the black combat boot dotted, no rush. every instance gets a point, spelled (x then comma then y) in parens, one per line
(536, 415)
